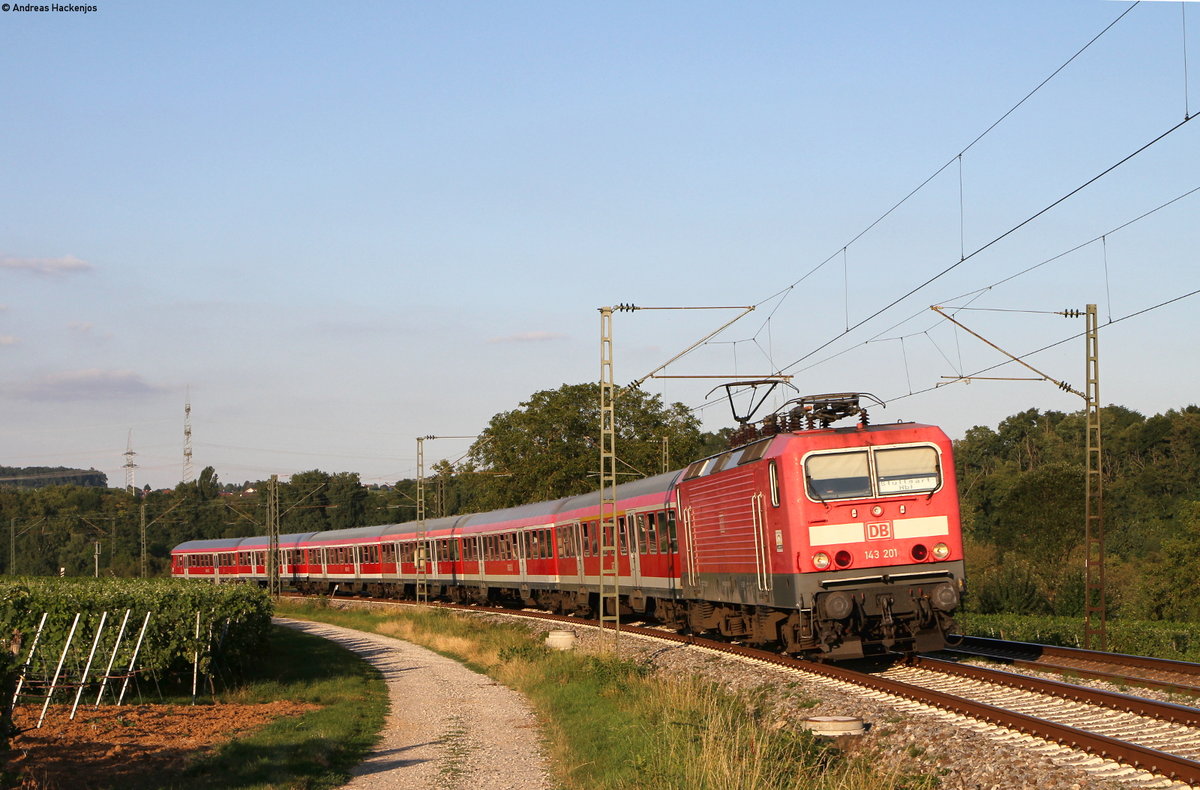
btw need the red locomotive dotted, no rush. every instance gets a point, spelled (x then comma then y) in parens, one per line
(838, 542)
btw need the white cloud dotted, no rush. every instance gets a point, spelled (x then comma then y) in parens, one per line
(529, 337)
(50, 267)
(8, 340)
(80, 326)
(92, 384)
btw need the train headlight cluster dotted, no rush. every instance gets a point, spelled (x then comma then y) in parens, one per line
(941, 551)
(820, 560)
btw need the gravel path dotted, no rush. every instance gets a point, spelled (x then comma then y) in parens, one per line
(448, 728)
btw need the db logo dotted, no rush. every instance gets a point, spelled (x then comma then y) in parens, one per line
(880, 530)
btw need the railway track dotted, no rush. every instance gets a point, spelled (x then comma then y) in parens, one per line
(1149, 737)
(1177, 677)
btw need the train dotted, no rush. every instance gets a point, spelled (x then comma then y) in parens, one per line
(835, 542)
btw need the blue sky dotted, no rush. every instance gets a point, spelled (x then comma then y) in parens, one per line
(341, 226)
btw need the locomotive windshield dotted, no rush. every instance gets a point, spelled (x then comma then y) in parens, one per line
(838, 475)
(897, 470)
(905, 469)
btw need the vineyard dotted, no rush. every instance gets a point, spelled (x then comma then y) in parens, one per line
(85, 640)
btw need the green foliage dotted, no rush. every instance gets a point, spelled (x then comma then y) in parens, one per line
(233, 618)
(1022, 492)
(1159, 639)
(548, 447)
(41, 476)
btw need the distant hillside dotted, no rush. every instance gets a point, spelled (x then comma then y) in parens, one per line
(42, 476)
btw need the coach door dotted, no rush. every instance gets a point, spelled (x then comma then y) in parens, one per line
(478, 541)
(575, 536)
(523, 554)
(633, 538)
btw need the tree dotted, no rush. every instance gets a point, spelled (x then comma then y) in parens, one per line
(347, 501)
(549, 447)
(1172, 590)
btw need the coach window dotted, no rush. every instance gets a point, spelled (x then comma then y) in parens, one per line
(622, 535)
(651, 534)
(671, 531)
(904, 470)
(664, 543)
(837, 476)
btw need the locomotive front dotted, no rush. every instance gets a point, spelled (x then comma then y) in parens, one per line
(838, 542)
(877, 536)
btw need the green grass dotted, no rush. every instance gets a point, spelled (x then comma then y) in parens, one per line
(314, 750)
(613, 724)
(1156, 638)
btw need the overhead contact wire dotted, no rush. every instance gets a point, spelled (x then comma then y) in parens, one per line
(993, 242)
(784, 292)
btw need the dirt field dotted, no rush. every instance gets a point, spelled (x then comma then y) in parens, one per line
(132, 746)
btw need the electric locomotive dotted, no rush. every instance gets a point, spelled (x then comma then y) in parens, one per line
(836, 542)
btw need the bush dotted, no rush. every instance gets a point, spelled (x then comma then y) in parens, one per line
(1155, 638)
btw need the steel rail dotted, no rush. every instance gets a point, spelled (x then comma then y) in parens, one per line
(1150, 672)
(1163, 711)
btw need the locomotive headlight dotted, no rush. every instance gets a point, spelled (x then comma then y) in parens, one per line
(941, 551)
(877, 511)
(820, 560)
